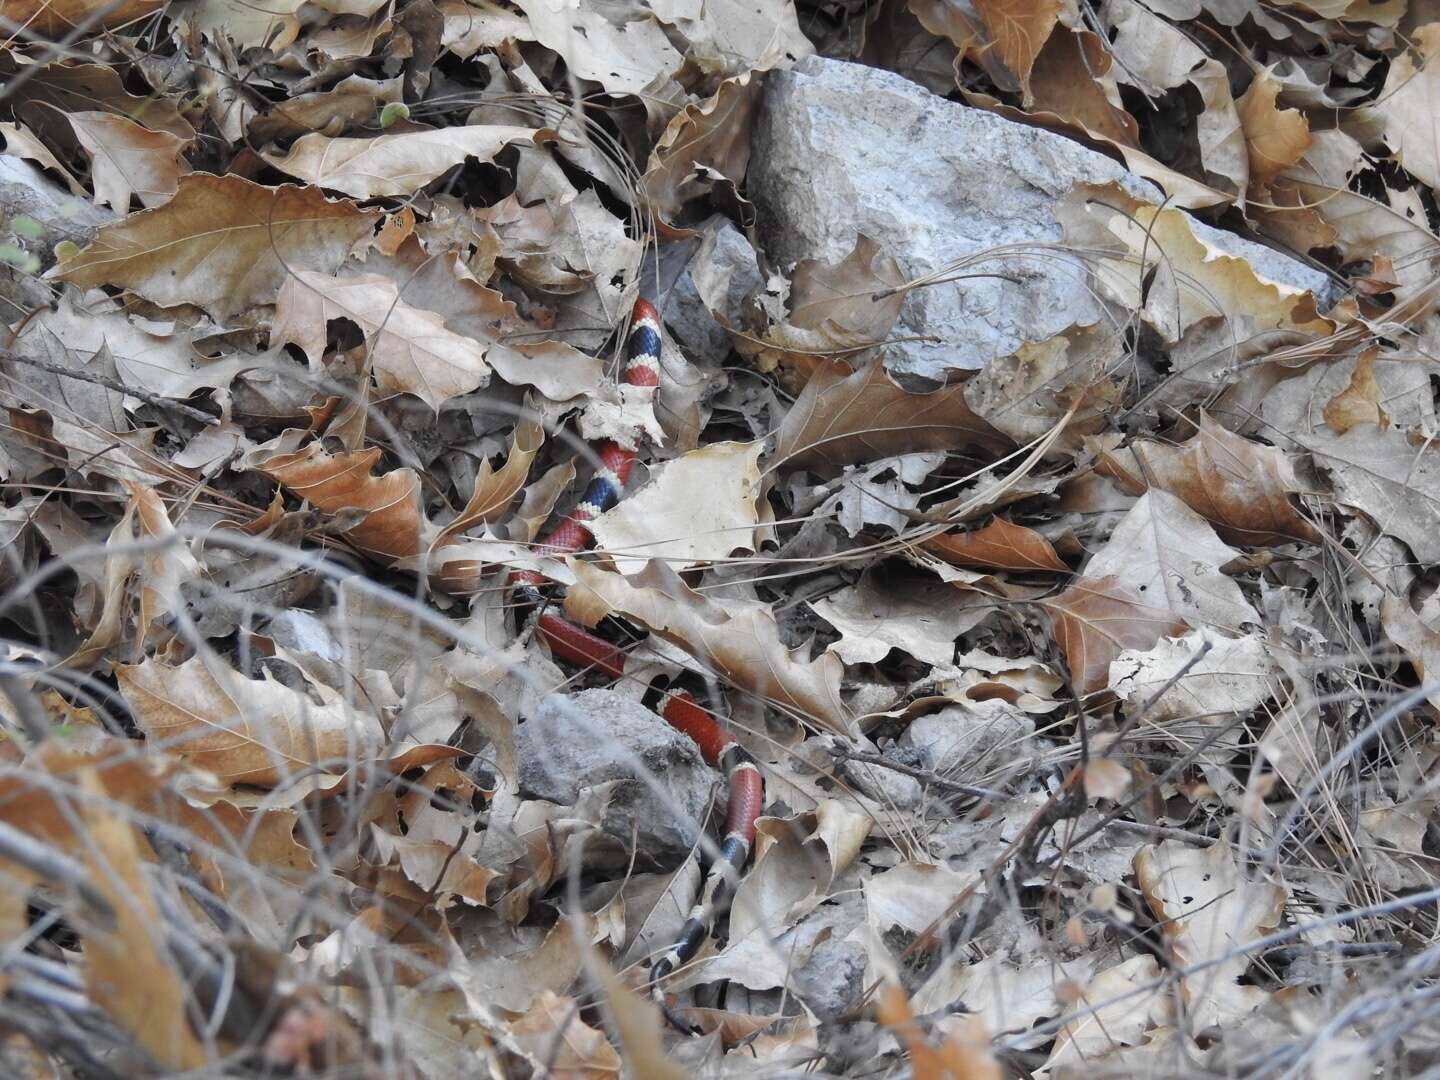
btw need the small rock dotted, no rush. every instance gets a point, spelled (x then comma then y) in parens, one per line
(722, 275)
(975, 737)
(841, 148)
(574, 741)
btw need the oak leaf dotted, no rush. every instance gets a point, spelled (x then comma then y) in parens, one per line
(739, 641)
(845, 416)
(343, 481)
(245, 731)
(222, 244)
(411, 350)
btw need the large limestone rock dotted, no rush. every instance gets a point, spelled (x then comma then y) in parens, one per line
(840, 149)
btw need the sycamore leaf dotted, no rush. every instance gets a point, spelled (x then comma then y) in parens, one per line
(245, 731)
(701, 507)
(392, 165)
(1095, 620)
(411, 350)
(1112, 1024)
(1241, 487)
(127, 159)
(222, 243)
(740, 642)
(341, 482)
(843, 417)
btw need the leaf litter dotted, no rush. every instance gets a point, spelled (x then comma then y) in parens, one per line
(1094, 690)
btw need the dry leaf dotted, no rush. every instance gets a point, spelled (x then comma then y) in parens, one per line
(843, 417)
(394, 165)
(222, 243)
(999, 545)
(1275, 138)
(128, 969)
(1171, 558)
(700, 507)
(1094, 621)
(701, 143)
(1019, 29)
(410, 349)
(246, 731)
(343, 482)
(739, 642)
(1207, 909)
(57, 18)
(1239, 486)
(1406, 105)
(127, 159)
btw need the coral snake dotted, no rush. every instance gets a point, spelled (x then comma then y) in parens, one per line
(578, 646)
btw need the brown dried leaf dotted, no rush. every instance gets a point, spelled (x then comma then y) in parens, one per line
(411, 350)
(843, 417)
(1020, 29)
(57, 18)
(339, 482)
(245, 731)
(222, 243)
(1000, 545)
(702, 140)
(1241, 487)
(127, 159)
(392, 165)
(1095, 620)
(128, 969)
(740, 642)
(1275, 138)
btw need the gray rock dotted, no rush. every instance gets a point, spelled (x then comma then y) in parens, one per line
(970, 738)
(840, 149)
(721, 276)
(574, 741)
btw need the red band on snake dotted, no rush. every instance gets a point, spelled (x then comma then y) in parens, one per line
(579, 646)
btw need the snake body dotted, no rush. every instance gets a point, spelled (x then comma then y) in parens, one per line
(579, 646)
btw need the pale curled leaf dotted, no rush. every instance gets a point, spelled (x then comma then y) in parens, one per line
(248, 731)
(392, 165)
(740, 642)
(411, 350)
